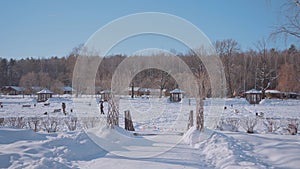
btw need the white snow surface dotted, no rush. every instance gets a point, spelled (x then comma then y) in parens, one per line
(161, 146)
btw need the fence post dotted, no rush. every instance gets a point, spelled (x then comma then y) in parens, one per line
(200, 115)
(191, 120)
(128, 121)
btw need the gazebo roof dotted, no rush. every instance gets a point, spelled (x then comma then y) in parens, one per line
(105, 91)
(273, 91)
(253, 91)
(67, 89)
(177, 91)
(144, 90)
(45, 91)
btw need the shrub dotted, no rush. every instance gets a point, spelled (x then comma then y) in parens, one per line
(292, 127)
(249, 123)
(34, 123)
(50, 124)
(272, 124)
(71, 123)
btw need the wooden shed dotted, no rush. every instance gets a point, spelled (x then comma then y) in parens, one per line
(291, 95)
(67, 90)
(253, 96)
(143, 91)
(176, 95)
(44, 95)
(271, 94)
(12, 90)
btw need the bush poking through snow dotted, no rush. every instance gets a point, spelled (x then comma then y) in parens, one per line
(89, 122)
(249, 123)
(229, 124)
(71, 123)
(17, 122)
(50, 124)
(293, 126)
(34, 123)
(271, 124)
(1, 121)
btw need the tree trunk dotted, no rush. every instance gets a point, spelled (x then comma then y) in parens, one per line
(200, 115)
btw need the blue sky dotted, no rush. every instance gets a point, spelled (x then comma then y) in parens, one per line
(34, 28)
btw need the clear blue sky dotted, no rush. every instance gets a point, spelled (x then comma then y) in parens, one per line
(35, 28)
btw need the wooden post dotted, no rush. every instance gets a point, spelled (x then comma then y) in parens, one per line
(200, 115)
(132, 90)
(191, 120)
(128, 121)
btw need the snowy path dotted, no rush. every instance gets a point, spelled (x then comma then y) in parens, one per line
(179, 157)
(26, 149)
(282, 151)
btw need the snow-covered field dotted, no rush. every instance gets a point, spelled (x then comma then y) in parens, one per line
(161, 123)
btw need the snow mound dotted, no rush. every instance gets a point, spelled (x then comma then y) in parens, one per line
(226, 152)
(194, 137)
(223, 151)
(11, 135)
(27, 149)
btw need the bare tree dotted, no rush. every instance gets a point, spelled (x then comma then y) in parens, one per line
(226, 50)
(264, 72)
(290, 26)
(113, 112)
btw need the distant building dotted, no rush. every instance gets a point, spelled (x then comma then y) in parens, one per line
(176, 95)
(12, 90)
(66, 90)
(291, 95)
(135, 90)
(253, 96)
(44, 95)
(157, 92)
(105, 95)
(271, 94)
(36, 89)
(98, 89)
(143, 91)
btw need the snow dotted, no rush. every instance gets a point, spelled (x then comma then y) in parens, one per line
(45, 91)
(161, 139)
(273, 91)
(254, 91)
(177, 91)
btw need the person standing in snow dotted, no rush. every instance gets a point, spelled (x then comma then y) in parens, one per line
(101, 107)
(63, 105)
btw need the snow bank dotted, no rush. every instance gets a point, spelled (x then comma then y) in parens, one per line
(223, 151)
(26, 149)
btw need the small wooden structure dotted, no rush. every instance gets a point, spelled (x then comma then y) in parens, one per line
(135, 91)
(271, 94)
(44, 95)
(253, 96)
(105, 95)
(143, 91)
(67, 90)
(176, 95)
(291, 95)
(12, 90)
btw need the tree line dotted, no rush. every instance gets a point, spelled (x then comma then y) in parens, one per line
(262, 69)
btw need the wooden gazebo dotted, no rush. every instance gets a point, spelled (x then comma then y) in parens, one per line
(253, 96)
(44, 95)
(176, 95)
